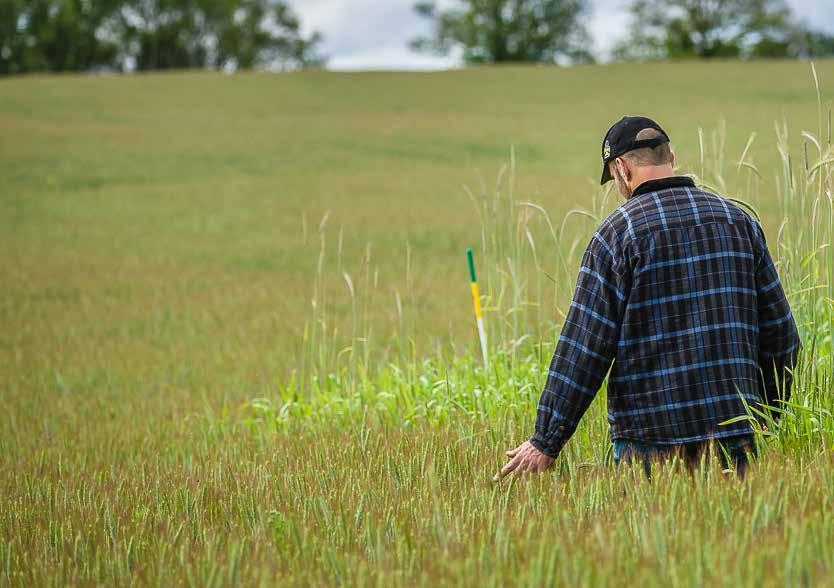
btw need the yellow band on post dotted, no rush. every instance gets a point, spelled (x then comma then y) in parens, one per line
(476, 300)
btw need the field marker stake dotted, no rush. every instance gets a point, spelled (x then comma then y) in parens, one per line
(476, 301)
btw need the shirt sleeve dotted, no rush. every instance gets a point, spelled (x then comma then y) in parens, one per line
(779, 342)
(586, 347)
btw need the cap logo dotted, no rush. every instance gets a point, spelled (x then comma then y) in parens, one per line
(606, 152)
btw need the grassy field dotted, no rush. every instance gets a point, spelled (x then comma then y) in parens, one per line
(235, 328)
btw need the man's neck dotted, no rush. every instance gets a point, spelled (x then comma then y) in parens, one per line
(646, 174)
(663, 184)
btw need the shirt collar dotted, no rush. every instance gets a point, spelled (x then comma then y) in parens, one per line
(663, 184)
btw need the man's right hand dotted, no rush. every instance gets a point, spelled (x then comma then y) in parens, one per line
(524, 459)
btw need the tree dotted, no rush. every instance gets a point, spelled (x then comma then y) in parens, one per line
(56, 35)
(266, 32)
(663, 29)
(296, 49)
(237, 34)
(813, 44)
(494, 31)
(12, 43)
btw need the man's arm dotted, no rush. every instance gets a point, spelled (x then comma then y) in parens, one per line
(586, 347)
(779, 342)
(583, 355)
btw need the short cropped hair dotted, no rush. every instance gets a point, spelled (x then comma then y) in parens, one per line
(647, 156)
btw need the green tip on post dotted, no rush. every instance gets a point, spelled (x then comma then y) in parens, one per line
(471, 264)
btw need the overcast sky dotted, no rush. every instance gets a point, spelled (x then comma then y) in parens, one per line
(374, 34)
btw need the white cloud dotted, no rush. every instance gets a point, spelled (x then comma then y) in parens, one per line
(374, 34)
(815, 13)
(608, 24)
(392, 57)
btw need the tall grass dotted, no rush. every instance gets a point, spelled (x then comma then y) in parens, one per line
(372, 464)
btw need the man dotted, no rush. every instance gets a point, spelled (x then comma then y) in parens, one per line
(678, 289)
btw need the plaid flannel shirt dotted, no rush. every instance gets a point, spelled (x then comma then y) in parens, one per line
(678, 289)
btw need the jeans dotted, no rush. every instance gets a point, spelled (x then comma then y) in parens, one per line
(733, 452)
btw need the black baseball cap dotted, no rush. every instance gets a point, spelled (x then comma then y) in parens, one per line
(622, 138)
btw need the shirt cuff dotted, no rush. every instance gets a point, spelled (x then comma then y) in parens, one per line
(550, 447)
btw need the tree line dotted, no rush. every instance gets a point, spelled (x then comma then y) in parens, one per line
(119, 35)
(554, 30)
(89, 35)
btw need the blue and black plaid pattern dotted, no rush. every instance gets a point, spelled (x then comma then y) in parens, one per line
(678, 289)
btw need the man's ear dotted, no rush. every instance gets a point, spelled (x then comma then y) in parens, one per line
(625, 172)
(673, 160)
